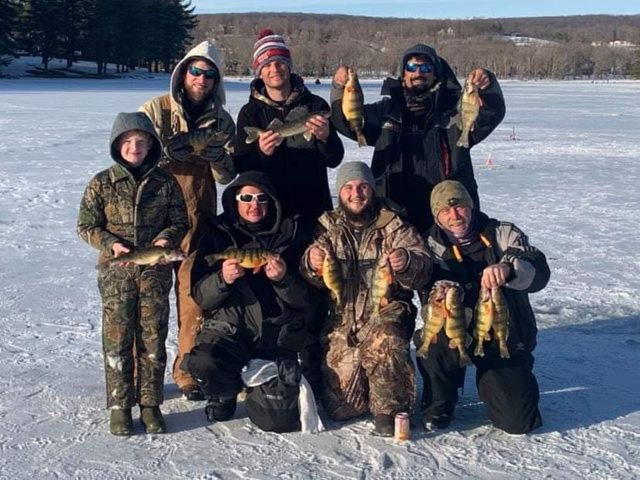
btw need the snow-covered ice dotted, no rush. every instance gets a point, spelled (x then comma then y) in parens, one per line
(569, 180)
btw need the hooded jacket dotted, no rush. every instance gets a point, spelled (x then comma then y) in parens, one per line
(508, 244)
(297, 168)
(408, 182)
(271, 316)
(169, 117)
(358, 260)
(118, 207)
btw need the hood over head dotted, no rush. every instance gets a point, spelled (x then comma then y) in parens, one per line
(125, 122)
(254, 179)
(425, 51)
(204, 51)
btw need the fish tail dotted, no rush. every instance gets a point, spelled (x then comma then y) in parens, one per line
(252, 134)
(463, 141)
(362, 142)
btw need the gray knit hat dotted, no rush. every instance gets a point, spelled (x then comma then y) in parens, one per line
(449, 194)
(354, 171)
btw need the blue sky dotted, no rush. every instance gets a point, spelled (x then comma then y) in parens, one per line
(427, 8)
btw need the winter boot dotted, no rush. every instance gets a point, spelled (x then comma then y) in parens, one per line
(437, 422)
(220, 409)
(192, 393)
(383, 425)
(120, 421)
(152, 420)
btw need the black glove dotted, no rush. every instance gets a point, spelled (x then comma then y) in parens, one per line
(179, 149)
(212, 153)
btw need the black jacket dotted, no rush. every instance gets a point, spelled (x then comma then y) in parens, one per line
(508, 244)
(297, 168)
(270, 316)
(388, 124)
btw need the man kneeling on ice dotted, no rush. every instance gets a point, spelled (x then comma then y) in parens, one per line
(484, 271)
(370, 260)
(251, 314)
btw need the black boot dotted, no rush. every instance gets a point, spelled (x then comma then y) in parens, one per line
(152, 420)
(120, 422)
(192, 393)
(220, 409)
(384, 425)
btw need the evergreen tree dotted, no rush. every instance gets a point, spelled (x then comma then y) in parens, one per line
(39, 28)
(73, 28)
(8, 15)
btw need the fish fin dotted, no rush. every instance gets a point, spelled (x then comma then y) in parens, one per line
(504, 351)
(455, 120)
(252, 134)
(296, 113)
(275, 123)
(463, 141)
(452, 345)
(307, 135)
(362, 142)
(464, 359)
(487, 337)
(279, 141)
(257, 269)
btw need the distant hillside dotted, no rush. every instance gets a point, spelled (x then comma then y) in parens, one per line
(540, 47)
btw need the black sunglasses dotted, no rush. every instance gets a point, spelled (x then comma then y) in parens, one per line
(196, 72)
(423, 67)
(250, 197)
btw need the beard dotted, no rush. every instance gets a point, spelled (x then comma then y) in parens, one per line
(362, 217)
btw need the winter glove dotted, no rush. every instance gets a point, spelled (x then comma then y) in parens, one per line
(178, 148)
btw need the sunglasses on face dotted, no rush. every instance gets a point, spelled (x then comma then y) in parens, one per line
(250, 197)
(196, 72)
(423, 67)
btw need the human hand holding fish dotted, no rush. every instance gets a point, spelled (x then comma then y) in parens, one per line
(319, 127)
(316, 258)
(118, 250)
(232, 270)
(495, 276)
(398, 259)
(480, 78)
(268, 141)
(275, 269)
(341, 76)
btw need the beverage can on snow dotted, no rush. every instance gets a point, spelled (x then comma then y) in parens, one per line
(402, 427)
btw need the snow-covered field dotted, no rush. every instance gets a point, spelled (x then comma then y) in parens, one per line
(570, 180)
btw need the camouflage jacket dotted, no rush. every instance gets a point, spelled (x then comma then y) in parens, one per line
(116, 208)
(358, 259)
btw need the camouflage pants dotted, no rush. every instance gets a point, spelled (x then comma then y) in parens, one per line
(376, 374)
(135, 317)
(189, 321)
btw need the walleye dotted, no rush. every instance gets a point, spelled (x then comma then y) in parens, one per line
(253, 258)
(382, 278)
(491, 312)
(446, 310)
(293, 125)
(353, 106)
(146, 256)
(468, 110)
(330, 273)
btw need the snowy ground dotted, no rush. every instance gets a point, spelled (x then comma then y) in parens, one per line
(570, 181)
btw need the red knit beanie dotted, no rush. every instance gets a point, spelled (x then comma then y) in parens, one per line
(268, 48)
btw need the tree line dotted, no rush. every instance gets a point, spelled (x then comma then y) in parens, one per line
(374, 45)
(154, 34)
(132, 34)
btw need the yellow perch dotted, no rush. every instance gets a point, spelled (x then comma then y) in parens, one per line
(353, 106)
(253, 258)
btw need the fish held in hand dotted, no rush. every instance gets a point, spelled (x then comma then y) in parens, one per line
(455, 326)
(468, 111)
(146, 256)
(380, 282)
(331, 276)
(491, 313)
(294, 124)
(353, 106)
(252, 258)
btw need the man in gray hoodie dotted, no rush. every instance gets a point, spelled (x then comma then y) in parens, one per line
(197, 133)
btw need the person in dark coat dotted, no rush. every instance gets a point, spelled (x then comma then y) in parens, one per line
(473, 250)
(246, 315)
(297, 167)
(411, 129)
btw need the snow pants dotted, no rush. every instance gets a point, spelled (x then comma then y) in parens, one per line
(135, 317)
(507, 386)
(374, 374)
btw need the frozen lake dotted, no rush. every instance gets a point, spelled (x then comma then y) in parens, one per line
(569, 181)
